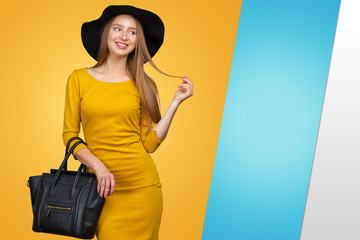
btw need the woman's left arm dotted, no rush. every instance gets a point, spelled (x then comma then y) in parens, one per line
(185, 91)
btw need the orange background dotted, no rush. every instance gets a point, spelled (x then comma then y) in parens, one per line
(40, 47)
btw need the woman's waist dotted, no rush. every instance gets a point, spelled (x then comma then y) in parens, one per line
(126, 162)
(112, 140)
(105, 148)
(131, 180)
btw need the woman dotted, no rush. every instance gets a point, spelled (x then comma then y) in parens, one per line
(116, 101)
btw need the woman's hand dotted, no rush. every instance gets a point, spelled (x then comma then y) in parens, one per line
(106, 180)
(185, 91)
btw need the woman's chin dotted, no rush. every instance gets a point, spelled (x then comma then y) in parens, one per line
(119, 54)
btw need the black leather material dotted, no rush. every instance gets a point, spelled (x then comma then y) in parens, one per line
(66, 202)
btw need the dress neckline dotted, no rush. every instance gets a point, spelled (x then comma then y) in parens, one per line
(86, 69)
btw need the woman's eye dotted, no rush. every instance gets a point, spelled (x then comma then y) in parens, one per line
(132, 32)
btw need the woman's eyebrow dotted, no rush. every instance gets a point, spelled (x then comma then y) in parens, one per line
(122, 25)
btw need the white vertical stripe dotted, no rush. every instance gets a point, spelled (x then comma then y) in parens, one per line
(333, 202)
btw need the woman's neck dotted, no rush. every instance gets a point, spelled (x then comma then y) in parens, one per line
(115, 67)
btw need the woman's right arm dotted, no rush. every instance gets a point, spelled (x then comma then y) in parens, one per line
(105, 178)
(72, 129)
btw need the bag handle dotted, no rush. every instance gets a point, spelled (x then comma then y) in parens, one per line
(70, 140)
(82, 167)
(73, 189)
(67, 147)
(64, 166)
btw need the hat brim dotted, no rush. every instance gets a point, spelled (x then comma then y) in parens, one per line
(153, 28)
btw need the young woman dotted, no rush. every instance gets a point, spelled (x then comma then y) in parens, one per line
(117, 103)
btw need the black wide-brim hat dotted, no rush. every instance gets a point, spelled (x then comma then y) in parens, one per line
(153, 28)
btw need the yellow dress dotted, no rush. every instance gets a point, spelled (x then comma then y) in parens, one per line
(115, 131)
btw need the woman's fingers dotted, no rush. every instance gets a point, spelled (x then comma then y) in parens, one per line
(184, 88)
(99, 186)
(102, 187)
(107, 187)
(184, 85)
(112, 184)
(187, 80)
(106, 183)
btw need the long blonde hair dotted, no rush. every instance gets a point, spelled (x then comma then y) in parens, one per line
(145, 85)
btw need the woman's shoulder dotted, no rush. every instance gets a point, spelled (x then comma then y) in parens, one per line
(79, 71)
(79, 76)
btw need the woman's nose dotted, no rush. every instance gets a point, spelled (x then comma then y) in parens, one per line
(123, 35)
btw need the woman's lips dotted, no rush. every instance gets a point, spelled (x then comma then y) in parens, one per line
(121, 47)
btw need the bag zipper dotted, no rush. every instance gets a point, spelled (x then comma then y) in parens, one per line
(57, 207)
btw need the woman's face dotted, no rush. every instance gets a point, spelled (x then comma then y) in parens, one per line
(122, 35)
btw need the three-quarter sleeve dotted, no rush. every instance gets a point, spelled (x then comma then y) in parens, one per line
(150, 141)
(72, 113)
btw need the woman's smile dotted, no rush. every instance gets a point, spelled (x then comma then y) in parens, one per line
(121, 45)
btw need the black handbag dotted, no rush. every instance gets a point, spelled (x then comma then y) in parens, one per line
(66, 202)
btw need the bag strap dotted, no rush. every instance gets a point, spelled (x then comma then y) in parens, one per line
(70, 140)
(67, 147)
(64, 162)
(77, 177)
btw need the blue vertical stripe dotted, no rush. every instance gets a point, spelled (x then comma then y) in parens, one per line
(270, 121)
